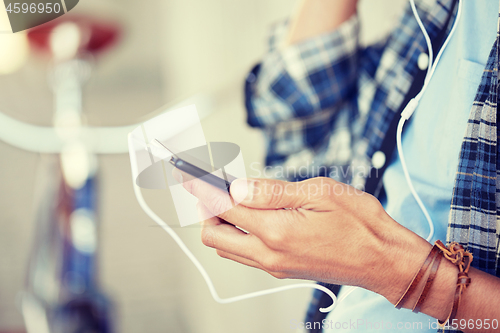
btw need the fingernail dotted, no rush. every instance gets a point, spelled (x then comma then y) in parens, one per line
(177, 175)
(242, 190)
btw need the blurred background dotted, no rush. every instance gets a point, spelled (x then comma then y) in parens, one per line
(168, 50)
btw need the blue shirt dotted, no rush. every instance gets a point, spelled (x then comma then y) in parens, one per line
(431, 143)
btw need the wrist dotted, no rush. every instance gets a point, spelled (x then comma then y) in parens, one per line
(439, 300)
(403, 267)
(403, 257)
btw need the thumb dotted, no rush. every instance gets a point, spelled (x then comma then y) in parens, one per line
(269, 193)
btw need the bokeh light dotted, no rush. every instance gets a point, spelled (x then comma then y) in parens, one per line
(14, 48)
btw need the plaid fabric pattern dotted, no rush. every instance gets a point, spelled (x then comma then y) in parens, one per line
(329, 102)
(475, 203)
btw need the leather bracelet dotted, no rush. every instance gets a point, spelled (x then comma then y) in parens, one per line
(418, 276)
(456, 254)
(428, 284)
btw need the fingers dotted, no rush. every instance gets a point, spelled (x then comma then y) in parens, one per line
(227, 238)
(239, 259)
(219, 203)
(276, 194)
(213, 225)
(217, 200)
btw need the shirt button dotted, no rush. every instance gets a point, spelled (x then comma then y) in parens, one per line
(423, 61)
(378, 159)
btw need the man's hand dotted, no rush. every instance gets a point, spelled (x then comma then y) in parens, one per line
(327, 231)
(317, 229)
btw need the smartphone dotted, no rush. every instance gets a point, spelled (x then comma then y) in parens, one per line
(199, 171)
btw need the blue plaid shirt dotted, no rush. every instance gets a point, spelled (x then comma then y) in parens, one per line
(329, 102)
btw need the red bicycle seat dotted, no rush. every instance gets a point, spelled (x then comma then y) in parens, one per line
(97, 35)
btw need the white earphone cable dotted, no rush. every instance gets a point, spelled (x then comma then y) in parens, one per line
(412, 105)
(426, 36)
(199, 266)
(407, 113)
